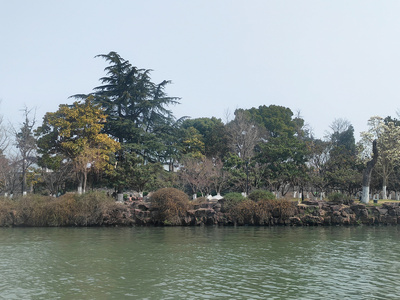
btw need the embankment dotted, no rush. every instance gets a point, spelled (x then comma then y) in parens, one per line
(100, 210)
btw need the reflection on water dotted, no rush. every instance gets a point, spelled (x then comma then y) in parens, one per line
(200, 263)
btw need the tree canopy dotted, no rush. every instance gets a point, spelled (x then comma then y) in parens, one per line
(72, 134)
(125, 136)
(136, 107)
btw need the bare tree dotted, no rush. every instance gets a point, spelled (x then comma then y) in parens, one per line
(244, 135)
(54, 179)
(339, 126)
(4, 136)
(197, 174)
(218, 176)
(367, 173)
(5, 163)
(26, 145)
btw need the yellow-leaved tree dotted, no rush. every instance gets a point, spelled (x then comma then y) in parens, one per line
(73, 135)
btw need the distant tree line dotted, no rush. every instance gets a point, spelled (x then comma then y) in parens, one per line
(124, 136)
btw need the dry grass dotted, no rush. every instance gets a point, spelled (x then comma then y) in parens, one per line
(67, 210)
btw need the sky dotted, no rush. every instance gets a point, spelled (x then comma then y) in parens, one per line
(325, 60)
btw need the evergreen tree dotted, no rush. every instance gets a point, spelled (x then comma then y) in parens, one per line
(136, 107)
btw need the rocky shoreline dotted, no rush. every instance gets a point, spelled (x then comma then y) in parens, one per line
(307, 213)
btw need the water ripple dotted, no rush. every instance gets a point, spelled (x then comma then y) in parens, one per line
(200, 263)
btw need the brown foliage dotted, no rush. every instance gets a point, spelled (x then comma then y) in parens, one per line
(262, 212)
(170, 206)
(244, 212)
(68, 210)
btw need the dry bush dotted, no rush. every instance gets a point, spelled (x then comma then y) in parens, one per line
(244, 212)
(169, 206)
(7, 211)
(200, 200)
(91, 207)
(283, 208)
(31, 210)
(67, 210)
(262, 212)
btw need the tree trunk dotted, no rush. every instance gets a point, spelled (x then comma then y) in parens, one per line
(367, 173)
(23, 176)
(384, 182)
(384, 192)
(84, 181)
(80, 184)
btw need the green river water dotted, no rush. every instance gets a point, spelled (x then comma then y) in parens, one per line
(200, 263)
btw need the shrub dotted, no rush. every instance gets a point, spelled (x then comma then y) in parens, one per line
(91, 207)
(340, 198)
(67, 210)
(7, 211)
(249, 212)
(170, 206)
(282, 208)
(243, 213)
(261, 195)
(231, 200)
(200, 200)
(263, 212)
(32, 210)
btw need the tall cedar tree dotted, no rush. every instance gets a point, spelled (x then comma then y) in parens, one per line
(136, 108)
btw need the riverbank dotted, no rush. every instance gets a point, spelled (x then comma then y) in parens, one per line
(308, 213)
(96, 209)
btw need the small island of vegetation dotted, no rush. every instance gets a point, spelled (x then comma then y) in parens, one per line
(84, 163)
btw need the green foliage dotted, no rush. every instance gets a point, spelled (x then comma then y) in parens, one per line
(136, 107)
(276, 120)
(283, 161)
(170, 206)
(345, 139)
(231, 200)
(72, 135)
(339, 198)
(138, 118)
(236, 168)
(192, 143)
(132, 172)
(261, 195)
(213, 135)
(237, 197)
(342, 170)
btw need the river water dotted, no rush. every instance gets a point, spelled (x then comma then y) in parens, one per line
(200, 263)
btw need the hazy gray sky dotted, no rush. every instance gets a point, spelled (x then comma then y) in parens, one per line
(326, 59)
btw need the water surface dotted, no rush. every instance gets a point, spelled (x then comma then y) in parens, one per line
(200, 263)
